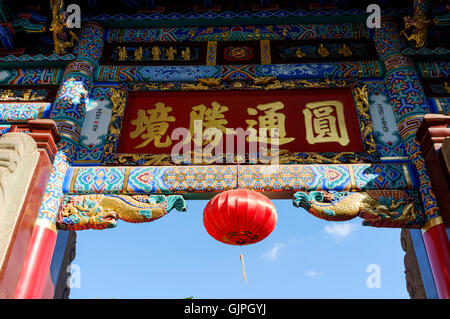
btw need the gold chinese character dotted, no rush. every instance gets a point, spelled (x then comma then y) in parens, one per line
(345, 50)
(325, 122)
(323, 52)
(122, 53)
(270, 120)
(6, 95)
(446, 87)
(156, 53)
(152, 125)
(186, 54)
(211, 120)
(138, 54)
(170, 53)
(299, 53)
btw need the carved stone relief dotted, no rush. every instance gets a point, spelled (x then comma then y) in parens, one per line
(18, 159)
(413, 277)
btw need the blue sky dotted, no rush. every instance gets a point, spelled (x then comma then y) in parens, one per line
(174, 258)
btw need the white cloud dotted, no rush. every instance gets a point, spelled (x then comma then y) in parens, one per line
(273, 253)
(294, 241)
(314, 273)
(340, 231)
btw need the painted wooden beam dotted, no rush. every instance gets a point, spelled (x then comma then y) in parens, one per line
(203, 181)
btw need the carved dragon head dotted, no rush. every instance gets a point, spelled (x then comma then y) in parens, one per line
(85, 214)
(301, 199)
(153, 207)
(304, 200)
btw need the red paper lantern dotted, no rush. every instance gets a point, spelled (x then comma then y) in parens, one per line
(239, 217)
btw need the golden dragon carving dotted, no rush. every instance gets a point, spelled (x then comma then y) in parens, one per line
(419, 24)
(377, 208)
(102, 211)
(59, 26)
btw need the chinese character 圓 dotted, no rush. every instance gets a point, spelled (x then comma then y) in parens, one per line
(325, 122)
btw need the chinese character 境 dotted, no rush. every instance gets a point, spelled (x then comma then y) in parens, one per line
(151, 125)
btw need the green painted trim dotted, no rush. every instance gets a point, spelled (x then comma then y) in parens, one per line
(443, 20)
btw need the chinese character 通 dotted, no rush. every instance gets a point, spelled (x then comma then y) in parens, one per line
(270, 120)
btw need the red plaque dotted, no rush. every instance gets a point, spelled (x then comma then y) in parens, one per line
(309, 120)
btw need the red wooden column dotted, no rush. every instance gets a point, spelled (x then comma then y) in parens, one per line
(45, 134)
(34, 281)
(438, 249)
(433, 132)
(43, 237)
(74, 89)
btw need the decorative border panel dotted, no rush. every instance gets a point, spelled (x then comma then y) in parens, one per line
(436, 87)
(389, 142)
(439, 105)
(434, 69)
(254, 52)
(26, 76)
(24, 111)
(25, 93)
(203, 179)
(95, 127)
(157, 53)
(322, 51)
(239, 33)
(333, 70)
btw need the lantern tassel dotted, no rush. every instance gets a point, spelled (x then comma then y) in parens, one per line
(243, 267)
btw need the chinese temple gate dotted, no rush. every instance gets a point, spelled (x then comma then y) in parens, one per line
(148, 104)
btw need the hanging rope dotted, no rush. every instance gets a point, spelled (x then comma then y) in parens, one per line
(243, 267)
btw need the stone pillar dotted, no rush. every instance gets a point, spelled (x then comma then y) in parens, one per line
(68, 113)
(18, 159)
(409, 104)
(26, 156)
(414, 283)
